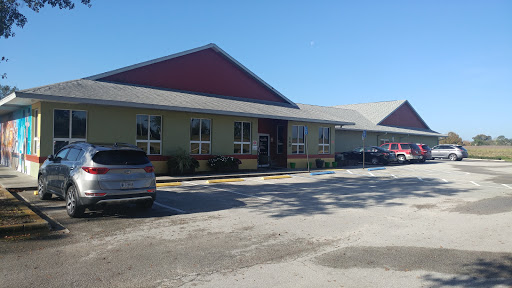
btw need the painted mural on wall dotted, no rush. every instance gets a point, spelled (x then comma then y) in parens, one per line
(16, 143)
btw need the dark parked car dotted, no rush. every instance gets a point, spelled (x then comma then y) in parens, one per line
(449, 151)
(373, 154)
(85, 175)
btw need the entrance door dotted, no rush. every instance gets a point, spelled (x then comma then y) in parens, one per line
(264, 150)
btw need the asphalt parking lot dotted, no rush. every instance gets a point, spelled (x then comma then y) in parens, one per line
(435, 224)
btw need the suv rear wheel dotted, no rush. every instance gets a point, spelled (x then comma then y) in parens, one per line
(452, 157)
(73, 208)
(401, 159)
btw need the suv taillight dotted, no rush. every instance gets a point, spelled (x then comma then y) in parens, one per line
(95, 170)
(149, 169)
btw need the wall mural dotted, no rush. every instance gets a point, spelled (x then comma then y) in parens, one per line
(16, 143)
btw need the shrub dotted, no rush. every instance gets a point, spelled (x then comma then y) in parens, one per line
(224, 164)
(182, 163)
(319, 163)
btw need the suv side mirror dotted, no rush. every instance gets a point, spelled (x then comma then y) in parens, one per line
(51, 158)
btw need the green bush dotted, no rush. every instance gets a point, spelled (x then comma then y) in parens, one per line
(221, 163)
(182, 163)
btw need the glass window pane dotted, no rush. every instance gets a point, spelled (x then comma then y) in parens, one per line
(154, 148)
(194, 130)
(280, 149)
(238, 132)
(205, 148)
(143, 146)
(73, 154)
(280, 134)
(295, 130)
(57, 145)
(61, 123)
(326, 135)
(236, 149)
(301, 134)
(205, 130)
(78, 124)
(321, 135)
(194, 148)
(294, 149)
(247, 132)
(320, 149)
(246, 148)
(301, 149)
(62, 154)
(155, 128)
(142, 127)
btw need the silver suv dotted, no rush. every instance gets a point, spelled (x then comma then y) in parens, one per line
(85, 175)
(452, 152)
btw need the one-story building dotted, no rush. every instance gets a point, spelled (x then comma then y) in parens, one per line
(201, 101)
(384, 122)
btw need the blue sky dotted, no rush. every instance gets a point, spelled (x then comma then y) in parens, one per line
(451, 59)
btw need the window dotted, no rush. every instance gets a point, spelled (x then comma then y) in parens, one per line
(200, 136)
(386, 146)
(68, 126)
(74, 154)
(323, 140)
(280, 139)
(298, 139)
(242, 138)
(35, 132)
(384, 141)
(149, 134)
(394, 146)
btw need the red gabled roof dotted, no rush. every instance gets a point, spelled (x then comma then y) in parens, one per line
(404, 116)
(206, 69)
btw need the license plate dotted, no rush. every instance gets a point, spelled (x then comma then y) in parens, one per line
(126, 185)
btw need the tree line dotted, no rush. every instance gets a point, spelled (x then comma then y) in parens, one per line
(478, 140)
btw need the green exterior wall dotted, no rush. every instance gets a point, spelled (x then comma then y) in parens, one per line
(106, 124)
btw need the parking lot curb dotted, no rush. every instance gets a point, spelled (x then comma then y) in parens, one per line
(38, 224)
(165, 184)
(225, 180)
(275, 177)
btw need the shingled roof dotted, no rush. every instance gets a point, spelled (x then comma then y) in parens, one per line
(362, 122)
(124, 95)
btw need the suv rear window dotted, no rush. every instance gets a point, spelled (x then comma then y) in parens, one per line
(425, 147)
(120, 157)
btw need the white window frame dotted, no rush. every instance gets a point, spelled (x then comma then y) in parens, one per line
(148, 141)
(241, 143)
(70, 139)
(35, 130)
(200, 142)
(298, 144)
(384, 141)
(323, 144)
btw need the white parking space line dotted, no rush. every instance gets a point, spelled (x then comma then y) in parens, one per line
(419, 178)
(508, 186)
(444, 180)
(474, 183)
(225, 190)
(349, 172)
(169, 207)
(394, 176)
(371, 174)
